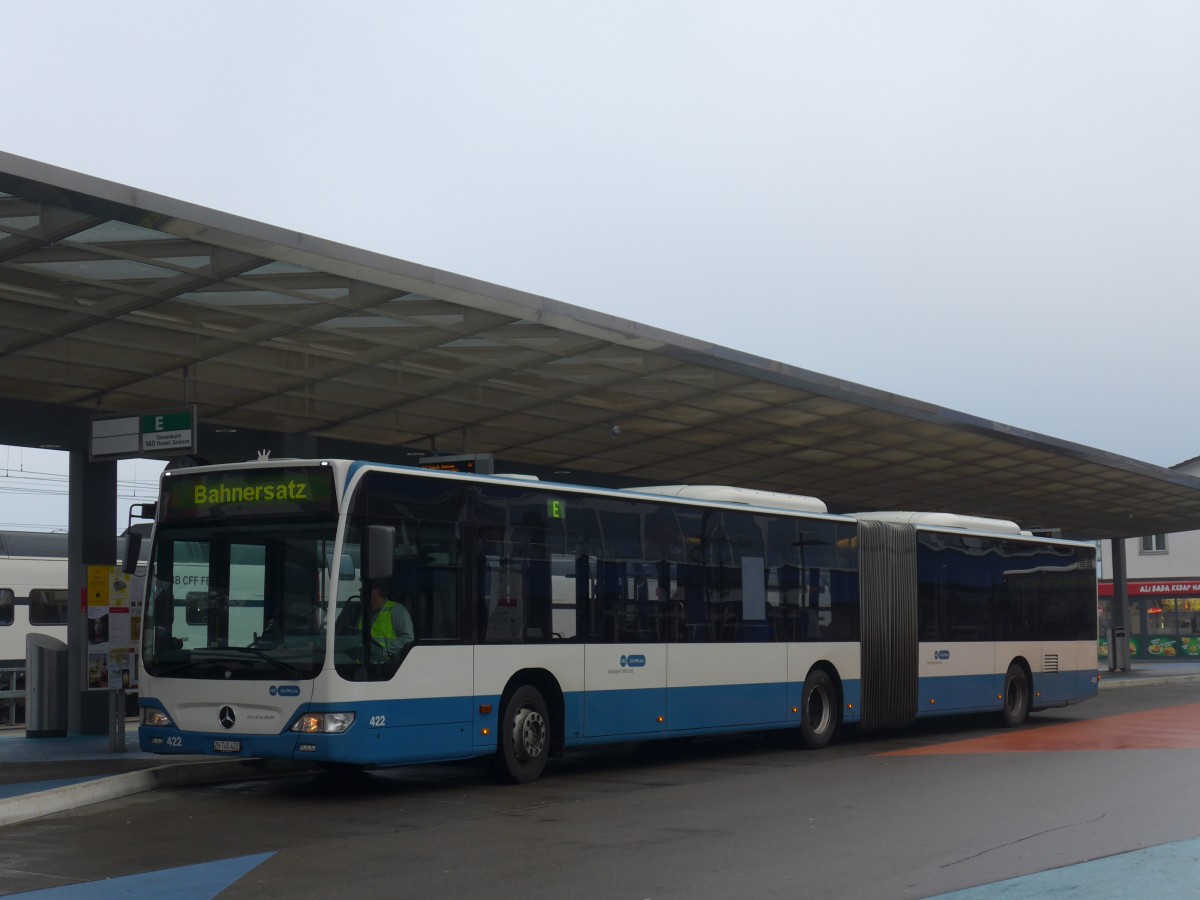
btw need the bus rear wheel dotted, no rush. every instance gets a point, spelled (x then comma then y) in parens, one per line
(1016, 696)
(818, 710)
(524, 743)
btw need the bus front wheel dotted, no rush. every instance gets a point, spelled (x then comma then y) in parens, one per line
(1016, 696)
(524, 743)
(818, 710)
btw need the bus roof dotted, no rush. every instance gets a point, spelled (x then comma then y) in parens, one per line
(946, 520)
(719, 493)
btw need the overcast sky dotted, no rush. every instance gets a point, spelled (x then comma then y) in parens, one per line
(990, 207)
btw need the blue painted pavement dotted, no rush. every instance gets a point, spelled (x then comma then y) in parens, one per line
(199, 882)
(1168, 870)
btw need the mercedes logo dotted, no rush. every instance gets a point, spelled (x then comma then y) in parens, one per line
(226, 716)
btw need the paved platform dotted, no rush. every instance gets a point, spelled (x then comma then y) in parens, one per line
(41, 776)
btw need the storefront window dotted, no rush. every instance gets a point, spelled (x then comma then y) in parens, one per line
(1158, 628)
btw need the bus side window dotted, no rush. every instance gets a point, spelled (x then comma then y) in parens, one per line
(928, 628)
(7, 603)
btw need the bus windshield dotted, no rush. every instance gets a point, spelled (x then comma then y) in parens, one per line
(242, 600)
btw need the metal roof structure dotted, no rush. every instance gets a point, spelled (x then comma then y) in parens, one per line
(113, 300)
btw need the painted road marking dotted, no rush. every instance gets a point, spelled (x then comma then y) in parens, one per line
(1173, 728)
(1168, 870)
(199, 882)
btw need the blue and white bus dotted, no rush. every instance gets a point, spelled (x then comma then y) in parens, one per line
(550, 616)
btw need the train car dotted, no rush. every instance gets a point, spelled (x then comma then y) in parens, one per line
(33, 590)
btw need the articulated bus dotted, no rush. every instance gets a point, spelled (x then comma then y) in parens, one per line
(551, 616)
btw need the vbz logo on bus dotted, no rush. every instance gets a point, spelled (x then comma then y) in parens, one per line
(941, 654)
(633, 661)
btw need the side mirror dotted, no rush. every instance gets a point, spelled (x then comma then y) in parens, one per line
(130, 552)
(381, 543)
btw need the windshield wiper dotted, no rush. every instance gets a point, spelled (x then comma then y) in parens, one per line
(210, 652)
(162, 667)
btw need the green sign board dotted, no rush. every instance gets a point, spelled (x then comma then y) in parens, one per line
(161, 434)
(167, 431)
(1159, 649)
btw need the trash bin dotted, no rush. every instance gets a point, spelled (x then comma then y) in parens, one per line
(1118, 649)
(45, 687)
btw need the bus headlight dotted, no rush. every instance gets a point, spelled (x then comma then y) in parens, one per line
(156, 718)
(324, 723)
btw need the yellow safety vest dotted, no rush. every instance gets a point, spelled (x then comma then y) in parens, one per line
(383, 629)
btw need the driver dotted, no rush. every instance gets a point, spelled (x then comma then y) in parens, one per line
(391, 625)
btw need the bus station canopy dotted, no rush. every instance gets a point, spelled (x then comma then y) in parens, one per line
(113, 300)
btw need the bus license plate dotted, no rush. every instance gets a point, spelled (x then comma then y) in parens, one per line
(227, 746)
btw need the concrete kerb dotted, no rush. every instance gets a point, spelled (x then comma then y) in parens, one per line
(1119, 682)
(61, 799)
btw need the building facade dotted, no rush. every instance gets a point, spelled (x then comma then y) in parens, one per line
(1162, 612)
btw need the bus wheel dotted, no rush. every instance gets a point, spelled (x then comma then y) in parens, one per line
(524, 737)
(1016, 696)
(818, 710)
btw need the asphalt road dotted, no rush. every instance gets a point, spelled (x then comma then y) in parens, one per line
(944, 806)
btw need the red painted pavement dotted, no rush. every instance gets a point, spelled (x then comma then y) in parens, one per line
(1173, 728)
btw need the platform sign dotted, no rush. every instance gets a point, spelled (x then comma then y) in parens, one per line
(169, 432)
(161, 434)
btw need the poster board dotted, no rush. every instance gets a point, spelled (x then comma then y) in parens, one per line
(113, 610)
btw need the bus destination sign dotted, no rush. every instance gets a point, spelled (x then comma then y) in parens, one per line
(248, 492)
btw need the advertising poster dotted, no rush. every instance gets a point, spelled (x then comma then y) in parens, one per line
(114, 627)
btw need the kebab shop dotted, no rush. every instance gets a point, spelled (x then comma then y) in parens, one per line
(1162, 619)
